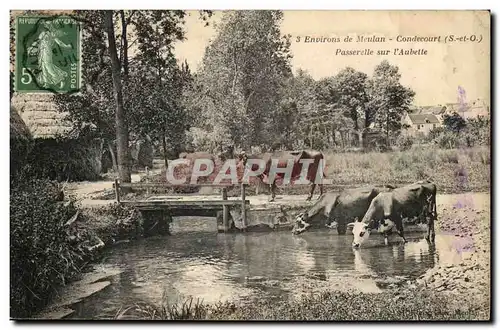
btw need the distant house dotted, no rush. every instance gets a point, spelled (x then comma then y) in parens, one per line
(472, 109)
(420, 124)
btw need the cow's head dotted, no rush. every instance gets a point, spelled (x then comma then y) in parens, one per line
(360, 231)
(301, 225)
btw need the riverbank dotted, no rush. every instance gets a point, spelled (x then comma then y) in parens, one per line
(109, 225)
(468, 280)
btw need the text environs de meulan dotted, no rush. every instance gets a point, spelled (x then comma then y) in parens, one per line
(374, 38)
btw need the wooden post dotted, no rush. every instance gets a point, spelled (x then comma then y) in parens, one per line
(225, 211)
(243, 206)
(117, 191)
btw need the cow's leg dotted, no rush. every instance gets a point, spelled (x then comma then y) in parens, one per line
(260, 183)
(311, 192)
(320, 190)
(386, 233)
(399, 228)
(431, 235)
(272, 186)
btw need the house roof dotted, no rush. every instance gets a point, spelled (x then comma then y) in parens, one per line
(40, 114)
(423, 118)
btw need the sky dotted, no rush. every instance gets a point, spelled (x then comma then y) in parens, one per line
(434, 77)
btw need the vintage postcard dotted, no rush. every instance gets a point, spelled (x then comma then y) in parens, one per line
(250, 165)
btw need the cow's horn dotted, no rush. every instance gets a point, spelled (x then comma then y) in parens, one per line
(350, 224)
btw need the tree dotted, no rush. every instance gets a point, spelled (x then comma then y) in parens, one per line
(350, 86)
(389, 99)
(241, 79)
(120, 119)
(301, 116)
(143, 40)
(454, 122)
(158, 112)
(94, 104)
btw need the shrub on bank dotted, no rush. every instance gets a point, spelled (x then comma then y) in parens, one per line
(405, 142)
(44, 254)
(58, 159)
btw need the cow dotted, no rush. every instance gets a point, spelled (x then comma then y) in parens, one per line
(387, 210)
(280, 160)
(192, 156)
(339, 208)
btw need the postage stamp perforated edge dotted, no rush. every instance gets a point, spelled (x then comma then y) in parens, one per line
(17, 55)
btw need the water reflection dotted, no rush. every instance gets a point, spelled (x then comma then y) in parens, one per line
(248, 266)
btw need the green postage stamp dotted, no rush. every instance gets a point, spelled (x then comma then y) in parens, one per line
(48, 54)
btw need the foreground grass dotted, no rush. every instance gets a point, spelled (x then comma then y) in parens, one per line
(409, 304)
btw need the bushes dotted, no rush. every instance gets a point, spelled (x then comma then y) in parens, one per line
(448, 140)
(405, 142)
(471, 133)
(74, 160)
(42, 252)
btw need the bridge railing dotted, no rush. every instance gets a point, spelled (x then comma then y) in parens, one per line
(117, 185)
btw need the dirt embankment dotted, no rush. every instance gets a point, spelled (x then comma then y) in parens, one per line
(466, 218)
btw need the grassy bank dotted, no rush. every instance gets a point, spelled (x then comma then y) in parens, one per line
(453, 170)
(52, 241)
(401, 304)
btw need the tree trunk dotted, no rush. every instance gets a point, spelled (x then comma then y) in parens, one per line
(360, 138)
(120, 118)
(113, 157)
(165, 156)
(310, 137)
(387, 130)
(124, 43)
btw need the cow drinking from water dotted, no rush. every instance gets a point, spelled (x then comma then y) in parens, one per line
(388, 209)
(338, 208)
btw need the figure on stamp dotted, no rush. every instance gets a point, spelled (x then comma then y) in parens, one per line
(50, 74)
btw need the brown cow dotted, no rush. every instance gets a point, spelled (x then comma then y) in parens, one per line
(196, 155)
(192, 157)
(280, 161)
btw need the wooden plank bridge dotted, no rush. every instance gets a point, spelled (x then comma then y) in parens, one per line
(185, 206)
